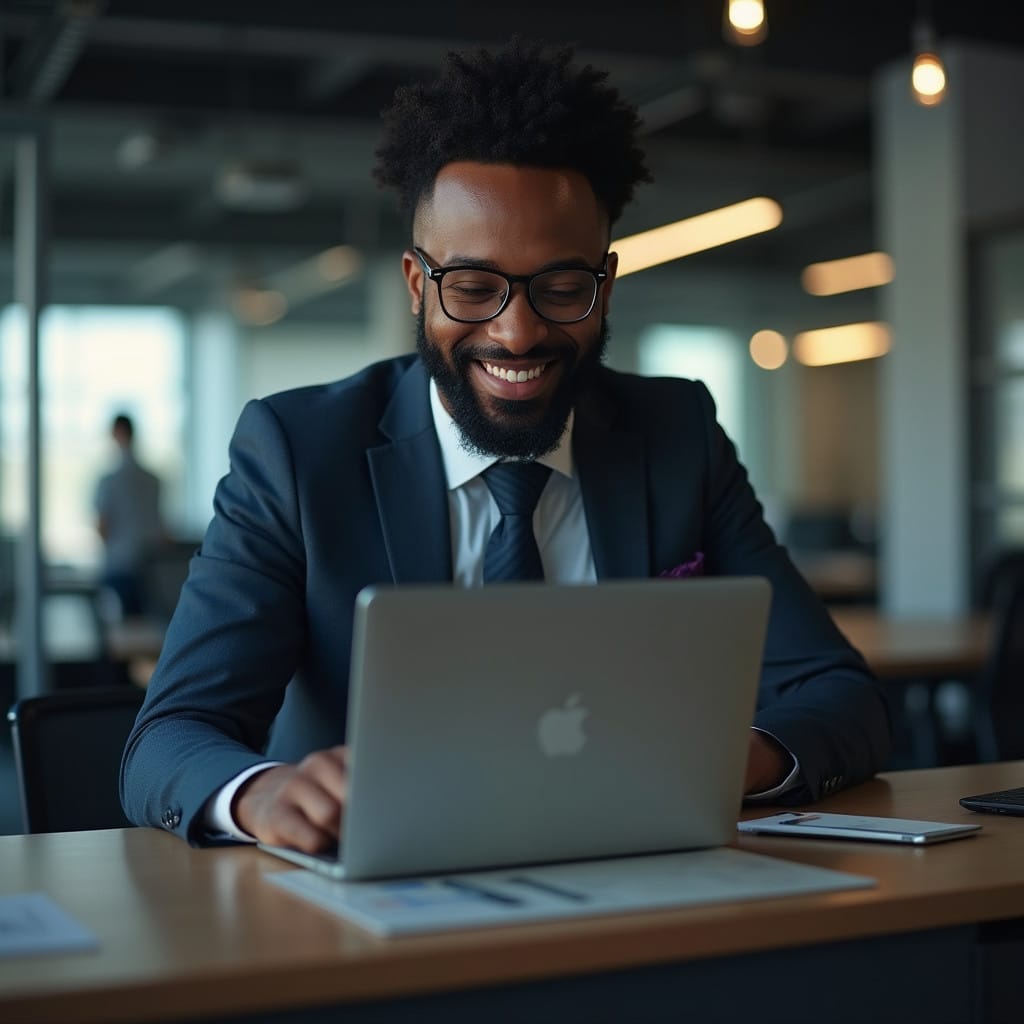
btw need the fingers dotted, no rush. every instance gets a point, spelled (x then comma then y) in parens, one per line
(296, 805)
(288, 825)
(317, 790)
(328, 770)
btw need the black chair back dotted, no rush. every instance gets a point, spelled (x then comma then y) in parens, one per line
(164, 571)
(67, 752)
(1001, 685)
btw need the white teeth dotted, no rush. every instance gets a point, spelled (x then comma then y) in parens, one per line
(517, 376)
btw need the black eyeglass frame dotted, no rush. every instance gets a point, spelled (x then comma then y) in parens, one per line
(436, 274)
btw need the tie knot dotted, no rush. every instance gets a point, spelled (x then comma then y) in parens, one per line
(516, 486)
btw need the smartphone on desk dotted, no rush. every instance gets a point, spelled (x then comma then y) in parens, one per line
(857, 826)
(1004, 801)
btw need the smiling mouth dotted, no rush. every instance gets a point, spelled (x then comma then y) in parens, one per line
(515, 376)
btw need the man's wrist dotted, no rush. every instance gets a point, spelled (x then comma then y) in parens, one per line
(770, 766)
(219, 815)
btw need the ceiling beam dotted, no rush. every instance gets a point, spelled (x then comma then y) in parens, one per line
(47, 57)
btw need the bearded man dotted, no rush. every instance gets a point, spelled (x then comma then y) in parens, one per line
(513, 167)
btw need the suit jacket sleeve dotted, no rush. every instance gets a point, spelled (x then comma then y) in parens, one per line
(817, 695)
(232, 645)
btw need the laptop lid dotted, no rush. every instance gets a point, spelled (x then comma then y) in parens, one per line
(528, 723)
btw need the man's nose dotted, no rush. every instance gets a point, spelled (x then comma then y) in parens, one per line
(518, 327)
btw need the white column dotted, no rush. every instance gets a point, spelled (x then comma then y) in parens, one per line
(940, 171)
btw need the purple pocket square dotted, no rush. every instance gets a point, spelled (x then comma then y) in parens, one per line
(686, 570)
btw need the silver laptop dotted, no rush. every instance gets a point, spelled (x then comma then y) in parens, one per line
(530, 723)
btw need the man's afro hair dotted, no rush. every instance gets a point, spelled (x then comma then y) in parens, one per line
(517, 106)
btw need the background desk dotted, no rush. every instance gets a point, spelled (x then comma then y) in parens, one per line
(898, 648)
(914, 657)
(894, 648)
(187, 933)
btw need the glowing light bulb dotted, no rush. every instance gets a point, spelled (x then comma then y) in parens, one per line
(746, 15)
(928, 75)
(928, 79)
(745, 22)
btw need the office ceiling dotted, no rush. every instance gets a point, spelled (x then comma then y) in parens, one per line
(189, 135)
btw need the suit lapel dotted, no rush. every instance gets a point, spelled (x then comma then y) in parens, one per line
(409, 485)
(612, 466)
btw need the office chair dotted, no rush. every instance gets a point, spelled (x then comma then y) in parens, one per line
(1003, 572)
(1000, 710)
(815, 531)
(164, 571)
(67, 753)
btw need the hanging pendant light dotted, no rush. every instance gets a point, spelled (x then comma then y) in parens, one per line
(745, 22)
(928, 74)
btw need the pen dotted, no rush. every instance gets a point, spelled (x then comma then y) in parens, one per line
(478, 890)
(554, 890)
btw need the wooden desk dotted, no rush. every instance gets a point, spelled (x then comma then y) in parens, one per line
(133, 644)
(198, 933)
(139, 637)
(136, 642)
(914, 656)
(932, 648)
(840, 575)
(895, 648)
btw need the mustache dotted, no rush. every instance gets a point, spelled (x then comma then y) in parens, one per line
(497, 354)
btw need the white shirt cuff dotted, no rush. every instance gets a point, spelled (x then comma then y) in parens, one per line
(218, 819)
(791, 781)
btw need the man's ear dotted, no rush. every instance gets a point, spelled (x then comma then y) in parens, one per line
(413, 271)
(606, 291)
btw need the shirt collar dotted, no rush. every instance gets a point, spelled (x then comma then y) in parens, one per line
(461, 466)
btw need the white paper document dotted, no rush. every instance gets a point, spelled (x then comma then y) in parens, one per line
(30, 922)
(580, 889)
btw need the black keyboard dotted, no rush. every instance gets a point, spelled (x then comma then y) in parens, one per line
(1005, 801)
(1005, 796)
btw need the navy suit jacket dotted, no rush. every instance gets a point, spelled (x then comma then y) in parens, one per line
(338, 486)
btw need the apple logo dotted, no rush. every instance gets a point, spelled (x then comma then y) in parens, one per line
(560, 730)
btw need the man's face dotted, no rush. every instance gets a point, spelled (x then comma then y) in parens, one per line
(518, 220)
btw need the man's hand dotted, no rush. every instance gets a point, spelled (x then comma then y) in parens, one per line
(296, 805)
(768, 763)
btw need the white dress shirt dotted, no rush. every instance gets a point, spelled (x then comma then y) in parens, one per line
(559, 522)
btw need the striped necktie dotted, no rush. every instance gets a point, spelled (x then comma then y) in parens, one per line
(512, 552)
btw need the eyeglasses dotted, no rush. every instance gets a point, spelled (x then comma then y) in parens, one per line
(471, 295)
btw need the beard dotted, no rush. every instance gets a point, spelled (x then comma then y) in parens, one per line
(511, 429)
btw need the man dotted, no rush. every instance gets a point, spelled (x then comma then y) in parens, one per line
(514, 167)
(127, 503)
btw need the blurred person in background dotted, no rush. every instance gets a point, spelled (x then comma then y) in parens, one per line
(127, 504)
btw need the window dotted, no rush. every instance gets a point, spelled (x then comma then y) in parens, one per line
(709, 354)
(95, 361)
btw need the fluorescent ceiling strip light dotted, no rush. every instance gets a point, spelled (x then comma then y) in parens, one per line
(869, 270)
(694, 234)
(844, 344)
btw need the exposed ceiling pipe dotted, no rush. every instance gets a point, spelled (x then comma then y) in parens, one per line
(49, 55)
